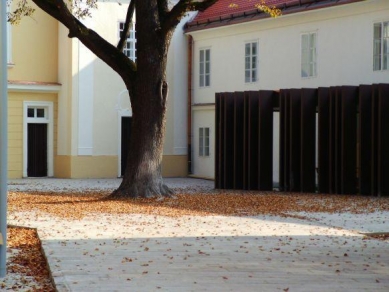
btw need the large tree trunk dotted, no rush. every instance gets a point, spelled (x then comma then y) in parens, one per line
(142, 177)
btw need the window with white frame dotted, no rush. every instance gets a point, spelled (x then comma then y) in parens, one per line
(203, 141)
(251, 60)
(308, 55)
(381, 46)
(130, 47)
(205, 67)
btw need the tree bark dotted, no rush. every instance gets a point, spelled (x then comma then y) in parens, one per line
(145, 81)
(143, 177)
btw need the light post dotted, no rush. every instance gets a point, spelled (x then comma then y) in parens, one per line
(3, 137)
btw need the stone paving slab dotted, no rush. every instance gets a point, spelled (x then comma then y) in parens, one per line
(323, 252)
(214, 253)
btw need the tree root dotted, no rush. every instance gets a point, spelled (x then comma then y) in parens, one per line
(138, 190)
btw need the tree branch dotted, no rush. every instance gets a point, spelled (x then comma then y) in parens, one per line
(163, 9)
(127, 26)
(178, 11)
(93, 41)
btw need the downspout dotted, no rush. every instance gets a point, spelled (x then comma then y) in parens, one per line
(189, 107)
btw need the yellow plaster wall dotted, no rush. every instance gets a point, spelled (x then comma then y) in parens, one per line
(107, 166)
(15, 127)
(35, 48)
(94, 166)
(174, 166)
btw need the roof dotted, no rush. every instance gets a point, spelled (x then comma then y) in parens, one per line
(223, 13)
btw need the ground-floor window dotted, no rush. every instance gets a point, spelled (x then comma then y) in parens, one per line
(204, 141)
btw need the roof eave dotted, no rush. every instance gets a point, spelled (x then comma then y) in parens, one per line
(257, 14)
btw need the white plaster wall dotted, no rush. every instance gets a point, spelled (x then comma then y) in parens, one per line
(64, 96)
(203, 165)
(345, 53)
(177, 76)
(106, 86)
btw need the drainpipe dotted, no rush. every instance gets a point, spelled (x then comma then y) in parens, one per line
(3, 138)
(189, 116)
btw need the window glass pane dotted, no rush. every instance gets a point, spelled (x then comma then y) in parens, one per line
(247, 50)
(30, 112)
(201, 80)
(247, 76)
(208, 54)
(40, 112)
(254, 76)
(386, 30)
(377, 31)
(386, 46)
(201, 68)
(247, 63)
(377, 63)
(201, 56)
(201, 137)
(304, 42)
(305, 70)
(254, 48)
(313, 40)
(206, 151)
(253, 62)
(207, 67)
(377, 47)
(207, 80)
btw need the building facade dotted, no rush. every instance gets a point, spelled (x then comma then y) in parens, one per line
(69, 113)
(313, 44)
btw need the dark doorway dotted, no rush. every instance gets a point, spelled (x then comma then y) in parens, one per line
(125, 140)
(37, 150)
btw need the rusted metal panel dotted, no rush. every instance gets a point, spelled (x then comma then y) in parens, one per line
(335, 139)
(217, 140)
(265, 170)
(284, 140)
(228, 140)
(365, 140)
(323, 139)
(238, 139)
(295, 140)
(348, 155)
(308, 139)
(253, 139)
(383, 136)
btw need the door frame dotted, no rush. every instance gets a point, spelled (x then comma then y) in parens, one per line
(121, 114)
(49, 120)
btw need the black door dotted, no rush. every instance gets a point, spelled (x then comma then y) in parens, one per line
(126, 135)
(37, 150)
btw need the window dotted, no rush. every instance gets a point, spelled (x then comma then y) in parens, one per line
(205, 67)
(381, 46)
(36, 112)
(308, 55)
(251, 55)
(130, 47)
(204, 141)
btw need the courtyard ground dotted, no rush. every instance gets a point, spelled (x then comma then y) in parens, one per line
(202, 240)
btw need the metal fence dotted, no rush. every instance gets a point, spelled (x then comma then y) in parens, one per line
(346, 128)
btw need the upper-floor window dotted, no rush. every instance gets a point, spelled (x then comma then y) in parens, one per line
(204, 141)
(381, 46)
(251, 60)
(130, 47)
(308, 55)
(205, 67)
